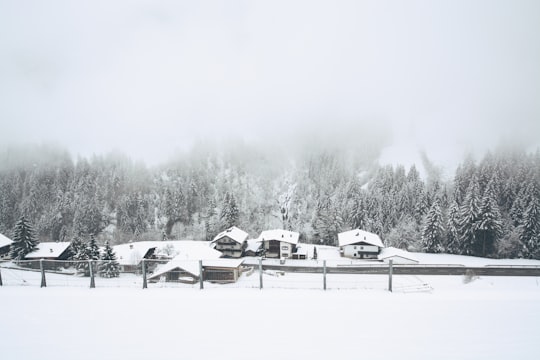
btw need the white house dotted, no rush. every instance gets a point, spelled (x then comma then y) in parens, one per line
(231, 242)
(188, 271)
(279, 243)
(397, 256)
(359, 244)
(5, 246)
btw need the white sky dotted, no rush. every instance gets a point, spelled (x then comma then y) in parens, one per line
(150, 77)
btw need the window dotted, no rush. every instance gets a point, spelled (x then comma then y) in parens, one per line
(285, 255)
(285, 248)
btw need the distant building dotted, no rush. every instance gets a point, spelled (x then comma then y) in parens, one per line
(397, 256)
(231, 242)
(50, 251)
(280, 244)
(359, 244)
(5, 246)
(253, 247)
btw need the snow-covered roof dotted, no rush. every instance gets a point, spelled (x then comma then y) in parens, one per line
(132, 253)
(253, 245)
(233, 233)
(48, 250)
(357, 236)
(391, 252)
(192, 266)
(5, 241)
(290, 237)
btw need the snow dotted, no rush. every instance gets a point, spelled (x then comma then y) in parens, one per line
(233, 233)
(356, 235)
(489, 318)
(290, 237)
(48, 250)
(132, 253)
(4, 240)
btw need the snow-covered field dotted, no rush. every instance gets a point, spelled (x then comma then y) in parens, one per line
(487, 318)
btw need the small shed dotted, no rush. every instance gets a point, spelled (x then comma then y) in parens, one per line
(50, 251)
(397, 256)
(253, 247)
(5, 246)
(188, 271)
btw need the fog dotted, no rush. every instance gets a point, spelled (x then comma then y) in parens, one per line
(150, 78)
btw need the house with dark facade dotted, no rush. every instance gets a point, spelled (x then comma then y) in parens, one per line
(231, 242)
(279, 244)
(5, 246)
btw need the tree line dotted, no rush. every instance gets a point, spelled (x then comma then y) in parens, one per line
(490, 207)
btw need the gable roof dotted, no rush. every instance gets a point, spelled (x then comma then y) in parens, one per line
(390, 252)
(48, 250)
(192, 266)
(233, 233)
(5, 241)
(290, 237)
(356, 236)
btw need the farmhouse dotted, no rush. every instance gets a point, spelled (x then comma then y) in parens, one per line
(397, 256)
(50, 251)
(5, 245)
(130, 255)
(231, 242)
(359, 244)
(253, 247)
(188, 271)
(279, 243)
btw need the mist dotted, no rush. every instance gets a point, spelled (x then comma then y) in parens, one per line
(151, 79)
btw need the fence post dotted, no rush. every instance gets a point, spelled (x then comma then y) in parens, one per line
(144, 282)
(201, 279)
(390, 270)
(43, 280)
(324, 274)
(1, 284)
(92, 281)
(260, 274)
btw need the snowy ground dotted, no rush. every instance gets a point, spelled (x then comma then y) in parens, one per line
(487, 318)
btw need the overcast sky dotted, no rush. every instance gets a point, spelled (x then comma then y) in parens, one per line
(150, 77)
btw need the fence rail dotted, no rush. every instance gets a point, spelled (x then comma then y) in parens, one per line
(255, 273)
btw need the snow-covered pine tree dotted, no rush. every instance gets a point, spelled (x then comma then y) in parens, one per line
(24, 240)
(490, 226)
(229, 213)
(433, 232)
(93, 249)
(314, 253)
(89, 251)
(452, 237)
(529, 229)
(469, 215)
(109, 266)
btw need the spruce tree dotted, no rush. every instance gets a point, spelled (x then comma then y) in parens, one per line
(490, 226)
(229, 213)
(452, 237)
(24, 241)
(109, 267)
(432, 234)
(529, 229)
(469, 215)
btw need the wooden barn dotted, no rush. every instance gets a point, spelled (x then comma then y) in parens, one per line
(231, 242)
(188, 271)
(359, 244)
(279, 244)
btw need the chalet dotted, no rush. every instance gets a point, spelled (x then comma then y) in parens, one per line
(5, 246)
(359, 244)
(50, 251)
(231, 242)
(188, 271)
(130, 255)
(280, 244)
(397, 256)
